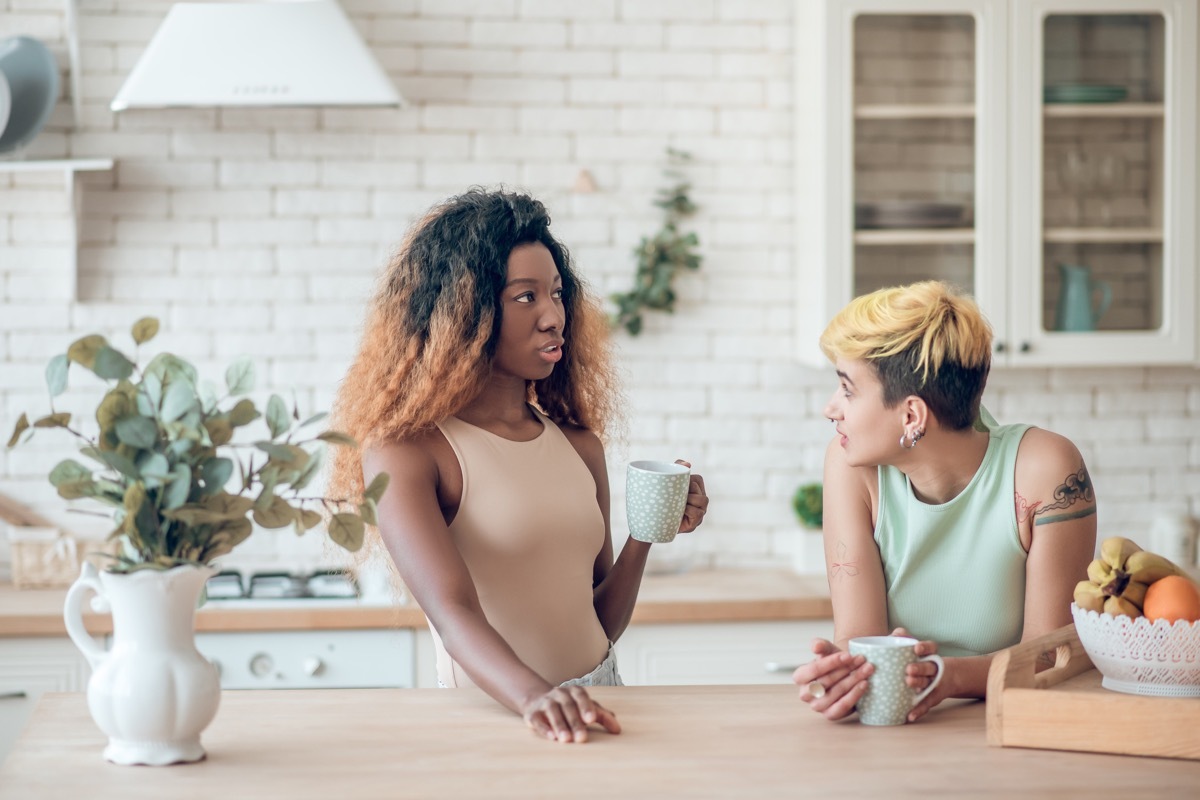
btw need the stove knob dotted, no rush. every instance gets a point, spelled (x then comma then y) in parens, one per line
(313, 666)
(261, 665)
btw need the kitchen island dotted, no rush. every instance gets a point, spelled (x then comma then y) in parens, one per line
(700, 741)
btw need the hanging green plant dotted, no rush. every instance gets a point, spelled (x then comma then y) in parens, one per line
(662, 256)
(808, 504)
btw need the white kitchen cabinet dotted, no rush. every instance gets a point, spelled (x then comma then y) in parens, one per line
(1040, 154)
(715, 653)
(32, 666)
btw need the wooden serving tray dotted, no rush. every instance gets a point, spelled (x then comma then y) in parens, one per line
(1064, 707)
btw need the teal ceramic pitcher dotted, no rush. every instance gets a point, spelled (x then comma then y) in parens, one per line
(1077, 307)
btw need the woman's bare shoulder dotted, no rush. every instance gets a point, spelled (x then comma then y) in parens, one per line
(413, 455)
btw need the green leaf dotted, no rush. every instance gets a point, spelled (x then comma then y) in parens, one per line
(338, 438)
(138, 432)
(377, 487)
(278, 515)
(278, 420)
(308, 519)
(289, 453)
(238, 530)
(310, 469)
(73, 490)
(347, 530)
(83, 351)
(68, 471)
(180, 447)
(239, 377)
(179, 487)
(169, 368)
(112, 365)
(178, 399)
(313, 419)
(56, 375)
(21, 426)
(58, 420)
(243, 413)
(144, 330)
(231, 506)
(367, 511)
(149, 395)
(219, 430)
(215, 472)
(207, 392)
(155, 469)
(120, 463)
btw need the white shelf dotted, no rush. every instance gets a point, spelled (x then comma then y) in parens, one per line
(915, 111)
(70, 167)
(55, 164)
(1110, 110)
(914, 236)
(1103, 235)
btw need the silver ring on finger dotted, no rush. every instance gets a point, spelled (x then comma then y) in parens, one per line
(816, 689)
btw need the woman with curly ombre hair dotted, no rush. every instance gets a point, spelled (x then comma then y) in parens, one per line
(482, 387)
(938, 520)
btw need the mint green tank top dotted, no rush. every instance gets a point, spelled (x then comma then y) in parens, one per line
(955, 573)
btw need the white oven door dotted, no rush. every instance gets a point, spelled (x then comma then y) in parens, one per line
(312, 659)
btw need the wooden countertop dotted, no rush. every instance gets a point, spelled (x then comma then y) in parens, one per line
(696, 741)
(694, 596)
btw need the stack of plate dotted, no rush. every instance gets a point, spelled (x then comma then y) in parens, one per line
(1083, 93)
(28, 91)
(909, 214)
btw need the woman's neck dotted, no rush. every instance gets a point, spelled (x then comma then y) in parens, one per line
(943, 463)
(503, 404)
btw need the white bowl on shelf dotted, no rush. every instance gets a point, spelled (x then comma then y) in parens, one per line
(1137, 656)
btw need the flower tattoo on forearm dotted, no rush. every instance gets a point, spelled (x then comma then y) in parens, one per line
(1075, 488)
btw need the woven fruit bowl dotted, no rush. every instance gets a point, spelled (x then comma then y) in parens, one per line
(1137, 656)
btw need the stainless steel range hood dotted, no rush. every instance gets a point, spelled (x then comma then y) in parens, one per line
(285, 53)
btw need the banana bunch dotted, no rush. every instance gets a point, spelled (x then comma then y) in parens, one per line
(1118, 579)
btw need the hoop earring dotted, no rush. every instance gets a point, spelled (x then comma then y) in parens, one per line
(915, 437)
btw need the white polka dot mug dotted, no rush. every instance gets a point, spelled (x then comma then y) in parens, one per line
(655, 496)
(889, 698)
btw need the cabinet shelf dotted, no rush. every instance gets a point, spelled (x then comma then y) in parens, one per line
(1105, 110)
(70, 167)
(914, 236)
(915, 111)
(1103, 235)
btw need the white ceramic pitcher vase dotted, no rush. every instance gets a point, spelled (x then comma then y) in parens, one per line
(152, 693)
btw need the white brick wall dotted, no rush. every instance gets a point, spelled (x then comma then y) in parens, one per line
(261, 231)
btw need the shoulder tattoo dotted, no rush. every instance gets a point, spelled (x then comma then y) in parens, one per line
(1075, 488)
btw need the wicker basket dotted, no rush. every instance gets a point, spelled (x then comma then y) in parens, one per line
(42, 558)
(1137, 656)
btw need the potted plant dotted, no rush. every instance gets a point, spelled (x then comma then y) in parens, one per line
(808, 503)
(182, 493)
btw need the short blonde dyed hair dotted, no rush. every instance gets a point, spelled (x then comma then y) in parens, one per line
(926, 339)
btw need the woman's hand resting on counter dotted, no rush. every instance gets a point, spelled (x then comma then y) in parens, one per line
(564, 713)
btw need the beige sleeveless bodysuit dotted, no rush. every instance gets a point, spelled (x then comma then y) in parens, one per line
(529, 529)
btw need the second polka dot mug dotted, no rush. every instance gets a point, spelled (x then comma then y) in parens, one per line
(655, 496)
(889, 698)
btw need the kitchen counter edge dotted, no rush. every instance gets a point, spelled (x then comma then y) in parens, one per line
(696, 596)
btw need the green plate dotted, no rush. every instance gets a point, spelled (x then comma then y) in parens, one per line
(1083, 93)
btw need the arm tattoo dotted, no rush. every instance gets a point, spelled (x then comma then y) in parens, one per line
(842, 567)
(1025, 509)
(1076, 487)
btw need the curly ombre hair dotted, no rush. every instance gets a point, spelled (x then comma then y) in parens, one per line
(924, 339)
(431, 331)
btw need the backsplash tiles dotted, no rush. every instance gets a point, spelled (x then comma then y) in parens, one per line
(261, 231)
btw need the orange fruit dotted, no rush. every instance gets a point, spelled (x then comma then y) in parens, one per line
(1172, 598)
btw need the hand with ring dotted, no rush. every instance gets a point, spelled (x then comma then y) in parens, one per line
(833, 682)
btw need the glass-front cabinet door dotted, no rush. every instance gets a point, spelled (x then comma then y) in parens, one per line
(1039, 154)
(1104, 175)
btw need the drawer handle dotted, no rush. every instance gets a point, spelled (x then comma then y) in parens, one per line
(12, 695)
(776, 667)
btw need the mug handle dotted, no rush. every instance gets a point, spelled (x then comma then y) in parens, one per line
(941, 665)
